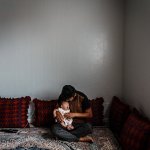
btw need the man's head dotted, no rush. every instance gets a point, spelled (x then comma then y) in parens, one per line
(68, 92)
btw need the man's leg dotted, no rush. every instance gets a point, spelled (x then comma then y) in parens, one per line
(63, 134)
(81, 129)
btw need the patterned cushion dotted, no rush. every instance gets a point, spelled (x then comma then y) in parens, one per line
(135, 133)
(97, 109)
(44, 112)
(148, 144)
(13, 112)
(118, 115)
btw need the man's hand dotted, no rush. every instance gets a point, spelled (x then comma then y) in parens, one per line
(58, 115)
(87, 114)
(70, 115)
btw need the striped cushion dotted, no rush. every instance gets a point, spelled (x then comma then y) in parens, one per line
(119, 112)
(148, 144)
(44, 112)
(135, 133)
(13, 112)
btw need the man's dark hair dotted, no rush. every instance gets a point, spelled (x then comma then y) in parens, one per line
(68, 91)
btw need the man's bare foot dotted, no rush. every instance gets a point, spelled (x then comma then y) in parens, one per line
(86, 139)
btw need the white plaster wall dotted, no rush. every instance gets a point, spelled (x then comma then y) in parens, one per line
(137, 55)
(45, 44)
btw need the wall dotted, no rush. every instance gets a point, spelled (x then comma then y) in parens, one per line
(47, 44)
(137, 55)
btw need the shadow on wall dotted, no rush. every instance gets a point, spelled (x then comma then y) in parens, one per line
(16, 11)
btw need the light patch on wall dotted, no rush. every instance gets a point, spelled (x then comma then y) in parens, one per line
(97, 55)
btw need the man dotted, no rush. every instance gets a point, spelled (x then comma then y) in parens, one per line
(80, 112)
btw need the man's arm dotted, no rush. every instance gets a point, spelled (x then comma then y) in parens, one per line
(58, 115)
(87, 114)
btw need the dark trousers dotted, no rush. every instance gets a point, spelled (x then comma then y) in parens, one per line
(80, 130)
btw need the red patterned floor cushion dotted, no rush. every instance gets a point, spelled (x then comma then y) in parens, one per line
(97, 109)
(44, 112)
(118, 114)
(148, 144)
(13, 112)
(135, 133)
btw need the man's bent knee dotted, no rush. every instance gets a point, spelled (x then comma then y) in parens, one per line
(62, 134)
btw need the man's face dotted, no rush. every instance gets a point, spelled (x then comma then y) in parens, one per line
(71, 98)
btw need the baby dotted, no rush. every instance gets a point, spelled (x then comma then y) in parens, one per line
(63, 109)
